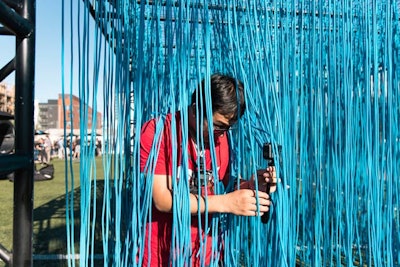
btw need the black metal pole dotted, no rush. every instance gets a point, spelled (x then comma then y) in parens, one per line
(5, 255)
(24, 139)
(13, 4)
(7, 69)
(14, 23)
(5, 31)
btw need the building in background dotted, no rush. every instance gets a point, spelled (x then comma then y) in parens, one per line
(7, 98)
(50, 115)
(73, 111)
(47, 116)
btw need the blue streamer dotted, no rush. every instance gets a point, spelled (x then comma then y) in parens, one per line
(321, 81)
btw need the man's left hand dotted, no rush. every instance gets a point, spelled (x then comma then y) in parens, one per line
(267, 177)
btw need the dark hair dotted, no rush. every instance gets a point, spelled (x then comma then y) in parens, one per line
(227, 96)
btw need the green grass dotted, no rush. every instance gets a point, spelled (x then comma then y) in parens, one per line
(49, 233)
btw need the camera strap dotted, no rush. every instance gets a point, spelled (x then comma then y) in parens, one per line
(201, 176)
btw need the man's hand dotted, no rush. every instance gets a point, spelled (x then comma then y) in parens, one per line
(247, 202)
(267, 177)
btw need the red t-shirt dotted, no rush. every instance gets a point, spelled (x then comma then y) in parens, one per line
(161, 223)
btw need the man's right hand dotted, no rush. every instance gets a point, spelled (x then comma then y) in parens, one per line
(247, 202)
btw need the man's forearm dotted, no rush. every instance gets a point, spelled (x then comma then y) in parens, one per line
(215, 204)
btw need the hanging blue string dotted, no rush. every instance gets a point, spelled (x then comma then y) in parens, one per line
(321, 81)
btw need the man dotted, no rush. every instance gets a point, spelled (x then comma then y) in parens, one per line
(61, 150)
(227, 105)
(48, 147)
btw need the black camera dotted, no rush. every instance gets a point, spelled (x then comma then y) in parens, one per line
(269, 156)
(200, 179)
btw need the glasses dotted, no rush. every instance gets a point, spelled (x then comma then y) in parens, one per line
(220, 128)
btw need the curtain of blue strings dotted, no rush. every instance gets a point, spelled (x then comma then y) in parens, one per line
(322, 82)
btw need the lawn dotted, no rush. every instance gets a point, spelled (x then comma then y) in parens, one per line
(49, 233)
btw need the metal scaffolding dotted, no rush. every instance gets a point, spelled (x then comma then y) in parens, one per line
(18, 18)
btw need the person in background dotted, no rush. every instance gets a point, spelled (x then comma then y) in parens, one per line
(98, 147)
(41, 153)
(77, 149)
(228, 105)
(61, 149)
(48, 146)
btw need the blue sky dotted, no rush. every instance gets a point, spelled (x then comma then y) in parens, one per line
(48, 50)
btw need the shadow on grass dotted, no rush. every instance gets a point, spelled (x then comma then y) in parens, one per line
(49, 229)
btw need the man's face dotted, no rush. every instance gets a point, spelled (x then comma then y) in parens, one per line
(221, 124)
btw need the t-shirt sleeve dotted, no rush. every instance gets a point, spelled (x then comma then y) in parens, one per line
(147, 159)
